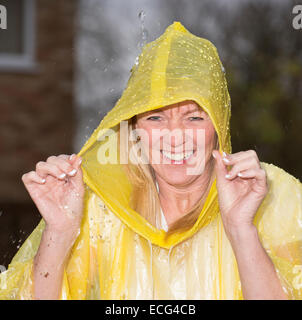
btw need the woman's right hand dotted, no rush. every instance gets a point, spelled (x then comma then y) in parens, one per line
(57, 189)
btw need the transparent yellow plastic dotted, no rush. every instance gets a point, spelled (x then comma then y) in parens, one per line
(120, 255)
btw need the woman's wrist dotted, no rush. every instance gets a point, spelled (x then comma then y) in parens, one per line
(60, 240)
(242, 235)
(54, 249)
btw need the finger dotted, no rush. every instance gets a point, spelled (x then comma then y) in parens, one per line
(63, 164)
(78, 160)
(220, 167)
(231, 159)
(74, 157)
(75, 160)
(44, 169)
(64, 156)
(78, 177)
(32, 176)
(253, 173)
(242, 165)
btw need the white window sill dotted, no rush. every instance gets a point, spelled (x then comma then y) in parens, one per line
(10, 63)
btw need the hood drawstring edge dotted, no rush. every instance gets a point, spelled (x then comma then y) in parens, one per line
(151, 270)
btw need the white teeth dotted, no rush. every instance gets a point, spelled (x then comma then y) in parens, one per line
(177, 156)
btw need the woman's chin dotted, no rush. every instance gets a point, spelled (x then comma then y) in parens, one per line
(175, 176)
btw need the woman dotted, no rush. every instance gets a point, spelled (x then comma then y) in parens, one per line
(232, 223)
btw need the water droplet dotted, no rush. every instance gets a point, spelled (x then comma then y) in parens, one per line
(142, 15)
(144, 31)
(136, 61)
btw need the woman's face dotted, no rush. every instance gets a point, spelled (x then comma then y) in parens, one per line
(179, 140)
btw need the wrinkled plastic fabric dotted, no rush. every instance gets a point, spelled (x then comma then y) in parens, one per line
(120, 255)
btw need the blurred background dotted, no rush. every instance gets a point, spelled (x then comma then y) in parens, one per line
(64, 64)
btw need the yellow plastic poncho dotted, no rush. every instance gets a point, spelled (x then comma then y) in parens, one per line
(118, 254)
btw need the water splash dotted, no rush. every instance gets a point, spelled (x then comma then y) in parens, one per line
(143, 32)
(136, 61)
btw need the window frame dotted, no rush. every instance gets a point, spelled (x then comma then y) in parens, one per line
(26, 60)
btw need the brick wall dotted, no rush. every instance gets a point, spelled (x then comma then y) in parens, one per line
(36, 118)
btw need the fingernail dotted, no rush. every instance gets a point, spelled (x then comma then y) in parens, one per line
(228, 176)
(71, 157)
(224, 154)
(63, 175)
(225, 160)
(240, 174)
(43, 180)
(80, 161)
(213, 155)
(72, 172)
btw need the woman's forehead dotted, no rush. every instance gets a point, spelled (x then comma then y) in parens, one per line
(178, 108)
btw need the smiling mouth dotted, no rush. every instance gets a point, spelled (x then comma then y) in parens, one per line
(177, 158)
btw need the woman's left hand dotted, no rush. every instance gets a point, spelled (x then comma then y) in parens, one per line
(240, 190)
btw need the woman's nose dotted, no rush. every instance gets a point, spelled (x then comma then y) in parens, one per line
(175, 134)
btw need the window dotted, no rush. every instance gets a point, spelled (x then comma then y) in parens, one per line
(17, 42)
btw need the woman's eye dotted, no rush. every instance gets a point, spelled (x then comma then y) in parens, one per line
(196, 118)
(150, 118)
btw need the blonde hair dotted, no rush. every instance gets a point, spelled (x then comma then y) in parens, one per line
(144, 197)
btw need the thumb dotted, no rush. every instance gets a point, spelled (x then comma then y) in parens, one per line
(220, 167)
(76, 161)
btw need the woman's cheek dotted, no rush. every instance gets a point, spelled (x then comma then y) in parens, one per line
(149, 141)
(205, 141)
(210, 141)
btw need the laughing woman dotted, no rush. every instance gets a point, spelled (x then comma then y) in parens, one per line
(155, 205)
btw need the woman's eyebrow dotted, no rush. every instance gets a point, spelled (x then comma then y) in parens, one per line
(195, 110)
(187, 112)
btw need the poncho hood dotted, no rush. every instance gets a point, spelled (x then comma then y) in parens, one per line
(175, 67)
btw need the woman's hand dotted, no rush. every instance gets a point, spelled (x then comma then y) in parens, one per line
(240, 193)
(57, 189)
(240, 190)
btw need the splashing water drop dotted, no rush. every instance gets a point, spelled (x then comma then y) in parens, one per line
(136, 61)
(144, 31)
(142, 15)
